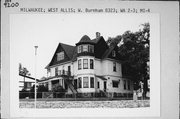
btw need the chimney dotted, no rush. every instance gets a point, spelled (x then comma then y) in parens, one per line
(98, 34)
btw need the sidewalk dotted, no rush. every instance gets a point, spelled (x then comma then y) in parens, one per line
(86, 104)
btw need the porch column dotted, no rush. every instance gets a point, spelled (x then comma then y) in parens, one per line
(49, 85)
(63, 83)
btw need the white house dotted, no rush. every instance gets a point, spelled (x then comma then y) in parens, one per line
(90, 66)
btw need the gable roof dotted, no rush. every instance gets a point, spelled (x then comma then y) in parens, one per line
(68, 50)
(108, 52)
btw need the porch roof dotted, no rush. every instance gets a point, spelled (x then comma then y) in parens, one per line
(101, 77)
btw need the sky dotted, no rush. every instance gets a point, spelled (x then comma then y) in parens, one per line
(47, 30)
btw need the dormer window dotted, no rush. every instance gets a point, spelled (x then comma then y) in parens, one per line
(60, 56)
(85, 48)
(113, 53)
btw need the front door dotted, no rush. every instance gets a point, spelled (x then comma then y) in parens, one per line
(105, 87)
(69, 70)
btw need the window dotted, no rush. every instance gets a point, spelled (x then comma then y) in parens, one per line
(91, 64)
(124, 84)
(56, 71)
(85, 48)
(79, 64)
(115, 84)
(79, 49)
(128, 85)
(75, 83)
(91, 48)
(85, 63)
(113, 53)
(60, 56)
(27, 85)
(92, 82)
(114, 66)
(98, 84)
(79, 82)
(85, 82)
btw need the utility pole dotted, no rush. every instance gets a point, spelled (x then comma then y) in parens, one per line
(35, 94)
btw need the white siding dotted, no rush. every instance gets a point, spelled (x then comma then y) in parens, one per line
(61, 67)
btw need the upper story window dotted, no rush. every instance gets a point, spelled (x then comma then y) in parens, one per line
(128, 84)
(85, 63)
(85, 48)
(124, 84)
(114, 66)
(79, 49)
(56, 71)
(60, 56)
(79, 64)
(91, 48)
(91, 64)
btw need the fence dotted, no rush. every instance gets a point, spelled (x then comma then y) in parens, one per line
(78, 96)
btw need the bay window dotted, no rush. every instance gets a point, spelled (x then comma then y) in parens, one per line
(79, 82)
(92, 82)
(79, 64)
(85, 82)
(91, 64)
(85, 63)
(85, 48)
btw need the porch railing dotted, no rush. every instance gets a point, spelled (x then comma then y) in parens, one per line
(62, 72)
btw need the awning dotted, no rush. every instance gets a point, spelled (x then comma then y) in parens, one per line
(101, 77)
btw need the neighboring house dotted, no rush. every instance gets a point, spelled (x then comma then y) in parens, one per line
(25, 84)
(90, 66)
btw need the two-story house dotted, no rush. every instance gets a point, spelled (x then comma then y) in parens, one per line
(90, 66)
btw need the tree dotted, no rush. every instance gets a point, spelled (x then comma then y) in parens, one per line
(23, 71)
(58, 90)
(134, 55)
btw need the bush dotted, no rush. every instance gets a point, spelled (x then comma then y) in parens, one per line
(23, 94)
(58, 91)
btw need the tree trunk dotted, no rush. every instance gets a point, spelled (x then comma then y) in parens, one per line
(144, 88)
